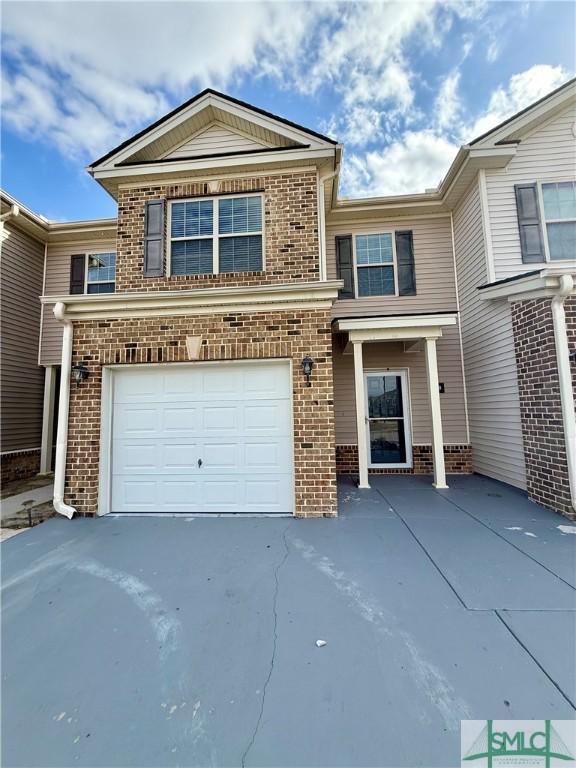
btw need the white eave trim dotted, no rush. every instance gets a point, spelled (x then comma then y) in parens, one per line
(209, 163)
(395, 328)
(545, 283)
(201, 301)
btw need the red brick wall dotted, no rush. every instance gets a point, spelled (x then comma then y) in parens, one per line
(540, 405)
(457, 459)
(289, 334)
(19, 466)
(290, 233)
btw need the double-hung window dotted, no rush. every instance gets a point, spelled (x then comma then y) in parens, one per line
(559, 203)
(375, 265)
(216, 235)
(101, 272)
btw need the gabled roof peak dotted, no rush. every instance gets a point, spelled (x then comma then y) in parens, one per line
(207, 98)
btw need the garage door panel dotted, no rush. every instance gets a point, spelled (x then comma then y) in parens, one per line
(134, 494)
(134, 456)
(180, 384)
(133, 387)
(220, 418)
(179, 456)
(235, 418)
(179, 419)
(136, 420)
(265, 383)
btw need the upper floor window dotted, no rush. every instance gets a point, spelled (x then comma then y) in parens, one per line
(375, 265)
(93, 273)
(216, 235)
(101, 274)
(559, 202)
(379, 264)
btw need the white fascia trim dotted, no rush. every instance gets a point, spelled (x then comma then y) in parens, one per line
(203, 301)
(209, 163)
(545, 283)
(534, 114)
(404, 321)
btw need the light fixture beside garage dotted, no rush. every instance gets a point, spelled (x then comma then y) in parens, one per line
(307, 365)
(80, 373)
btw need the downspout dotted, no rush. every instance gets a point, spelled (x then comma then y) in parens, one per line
(322, 219)
(63, 409)
(565, 379)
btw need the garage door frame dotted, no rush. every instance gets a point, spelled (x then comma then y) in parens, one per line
(107, 412)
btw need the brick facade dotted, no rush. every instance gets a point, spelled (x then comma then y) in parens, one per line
(290, 233)
(20, 465)
(540, 405)
(457, 458)
(264, 335)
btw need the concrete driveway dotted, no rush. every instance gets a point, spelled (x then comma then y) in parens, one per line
(192, 642)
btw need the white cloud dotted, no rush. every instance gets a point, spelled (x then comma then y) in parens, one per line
(447, 106)
(420, 158)
(523, 89)
(108, 68)
(413, 163)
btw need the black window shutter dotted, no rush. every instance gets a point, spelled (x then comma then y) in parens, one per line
(405, 262)
(345, 266)
(77, 273)
(528, 210)
(154, 239)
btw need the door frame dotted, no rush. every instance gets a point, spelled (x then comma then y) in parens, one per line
(106, 422)
(406, 401)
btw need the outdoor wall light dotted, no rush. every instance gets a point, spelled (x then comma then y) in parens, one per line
(80, 373)
(307, 365)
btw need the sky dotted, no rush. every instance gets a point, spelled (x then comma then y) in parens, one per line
(400, 84)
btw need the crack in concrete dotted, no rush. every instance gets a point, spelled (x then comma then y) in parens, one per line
(274, 644)
(498, 614)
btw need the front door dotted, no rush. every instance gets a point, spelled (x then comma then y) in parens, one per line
(389, 440)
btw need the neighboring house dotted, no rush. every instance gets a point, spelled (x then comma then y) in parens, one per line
(515, 238)
(21, 379)
(240, 334)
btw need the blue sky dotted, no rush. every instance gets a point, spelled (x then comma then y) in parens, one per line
(401, 85)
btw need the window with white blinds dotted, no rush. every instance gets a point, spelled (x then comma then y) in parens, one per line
(216, 235)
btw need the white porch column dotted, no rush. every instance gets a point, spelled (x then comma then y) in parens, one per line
(360, 416)
(434, 396)
(48, 420)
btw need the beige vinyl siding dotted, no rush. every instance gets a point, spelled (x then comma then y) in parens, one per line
(215, 140)
(22, 379)
(433, 262)
(548, 154)
(378, 356)
(489, 359)
(58, 284)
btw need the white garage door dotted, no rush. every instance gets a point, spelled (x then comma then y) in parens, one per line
(202, 438)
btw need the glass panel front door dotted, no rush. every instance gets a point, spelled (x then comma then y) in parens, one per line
(386, 418)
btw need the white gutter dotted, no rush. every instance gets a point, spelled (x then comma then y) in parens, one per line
(565, 379)
(322, 219)
(63, 409)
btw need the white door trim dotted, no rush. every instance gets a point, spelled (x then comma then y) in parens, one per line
(107, 413)
(405, 384)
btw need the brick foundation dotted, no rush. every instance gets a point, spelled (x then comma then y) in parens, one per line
(457, 458)
(19, 466)
(540, 404)
(265, 335)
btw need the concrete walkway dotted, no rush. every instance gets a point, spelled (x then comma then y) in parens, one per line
(192, 641)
